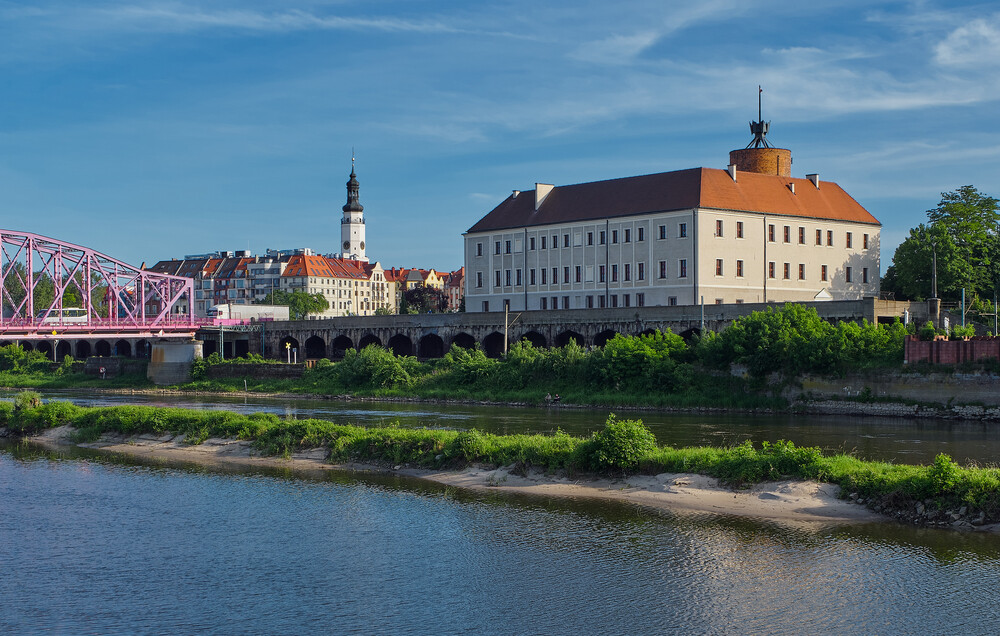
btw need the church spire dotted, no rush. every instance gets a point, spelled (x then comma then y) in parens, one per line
(353, 204)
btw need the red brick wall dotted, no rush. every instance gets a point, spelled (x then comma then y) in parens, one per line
(950, 351)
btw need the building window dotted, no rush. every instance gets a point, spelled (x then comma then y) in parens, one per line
(590, 238)
(486, 305)
(770, 269)
(682, 268)
(555, 302)
(626, 300)
(628, 235)
(496, 278)
(865, 243)
(739, 229)
(604, 237)
(497, 248)
(864, 275)
(518, 277)
(802, 236)
(579, 274)
(822, 272)
(543, 303)
(671, 300)
(719, 301)
(819, 237)
(531, 276)
(641, 234)
(565, 240)
(663, 269)
(601, 302)
(507, 276)
(847, 274)
(788, 234)
(566, 274)
(718, 227)
(739, 269)
(614, 300)
(531, 243)
(628, 271)
(770, 233)
(507, 247)
(614, 273)
(718, 267)
(787, 271)
(479, 279)
(565, 302)
(590, 302)
(555, 276)
(850, 240)
(829, 238)
(543, 242)
(663, 232)
(543, 271)
(614, 236)
(682, 230)
(641, 273)
(802, 271)
(640, 300)
(479, 249)
(601, 274)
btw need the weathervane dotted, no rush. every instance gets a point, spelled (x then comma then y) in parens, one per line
(760, 127)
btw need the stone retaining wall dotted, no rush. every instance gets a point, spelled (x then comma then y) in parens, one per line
(269, 371)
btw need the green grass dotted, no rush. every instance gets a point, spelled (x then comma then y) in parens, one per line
(620, 448)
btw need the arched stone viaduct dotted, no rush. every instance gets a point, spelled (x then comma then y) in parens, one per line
(85, 347)
(431, 335)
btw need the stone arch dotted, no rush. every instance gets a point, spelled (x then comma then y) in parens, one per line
(241, 348)
(289, 348)
(368, 340)
(463, 340)
(143, 349)
(563, 338)
(602, 338)
(401, 345)
(27, 346)
(493, 345)
(340, 345)
(315, 347)
(102, 348)
(82, 349)
(536, 339)
(123, 348)
(5, 343)
(63, 349)
(44, 346)
(209, 346)
(430, 346)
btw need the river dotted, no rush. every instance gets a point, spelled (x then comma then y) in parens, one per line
(94, 543)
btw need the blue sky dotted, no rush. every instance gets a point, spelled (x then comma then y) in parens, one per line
(149, 130)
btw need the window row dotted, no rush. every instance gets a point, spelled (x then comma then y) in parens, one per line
(577, 274)
(542, 242)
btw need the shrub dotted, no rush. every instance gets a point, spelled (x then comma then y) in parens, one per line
(620, 445)
(26, 400)
(927, 332)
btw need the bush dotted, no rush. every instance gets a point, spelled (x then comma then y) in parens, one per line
(620, 445)
(26, 400)
(927, 332)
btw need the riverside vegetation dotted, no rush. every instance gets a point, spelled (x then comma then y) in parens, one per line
(943, 492)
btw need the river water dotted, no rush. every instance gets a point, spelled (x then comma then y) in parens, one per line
(93, 543)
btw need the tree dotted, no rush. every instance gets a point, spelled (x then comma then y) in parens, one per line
(299, 303)
(425, 299)
(962, 229)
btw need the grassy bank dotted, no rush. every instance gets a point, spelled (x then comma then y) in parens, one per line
(621, 447)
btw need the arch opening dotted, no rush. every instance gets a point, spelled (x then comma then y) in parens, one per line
(315, 347)
(401, 345)
(430, 346)
(602, 338)
(493, 345)
(536, 339)
(564, 338)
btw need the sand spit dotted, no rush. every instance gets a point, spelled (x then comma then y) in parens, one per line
(789, 502)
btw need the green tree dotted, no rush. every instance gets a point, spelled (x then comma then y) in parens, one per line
(300, 304)
(425, 299)
(962, 229)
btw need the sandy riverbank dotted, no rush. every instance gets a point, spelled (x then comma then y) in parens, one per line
(788, 502)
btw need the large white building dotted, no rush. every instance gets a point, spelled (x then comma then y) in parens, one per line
(750, 233)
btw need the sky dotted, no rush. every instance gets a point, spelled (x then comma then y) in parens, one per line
(151, 130)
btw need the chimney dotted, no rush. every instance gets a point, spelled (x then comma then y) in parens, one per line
(731, 168)
(814, 178)
(516, 192)
(791, 186)
(541, 191)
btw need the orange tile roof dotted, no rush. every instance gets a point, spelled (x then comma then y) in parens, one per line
(705, 188)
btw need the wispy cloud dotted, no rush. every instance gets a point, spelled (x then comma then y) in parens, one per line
(973, 45)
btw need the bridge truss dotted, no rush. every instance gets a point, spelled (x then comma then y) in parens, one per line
(51, 288)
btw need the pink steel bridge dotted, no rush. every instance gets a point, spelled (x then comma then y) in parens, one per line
(51, 289)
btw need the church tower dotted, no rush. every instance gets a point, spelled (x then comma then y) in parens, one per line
(352, 226)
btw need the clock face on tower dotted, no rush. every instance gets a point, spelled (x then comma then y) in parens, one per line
(362, 245)
(347, 245)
